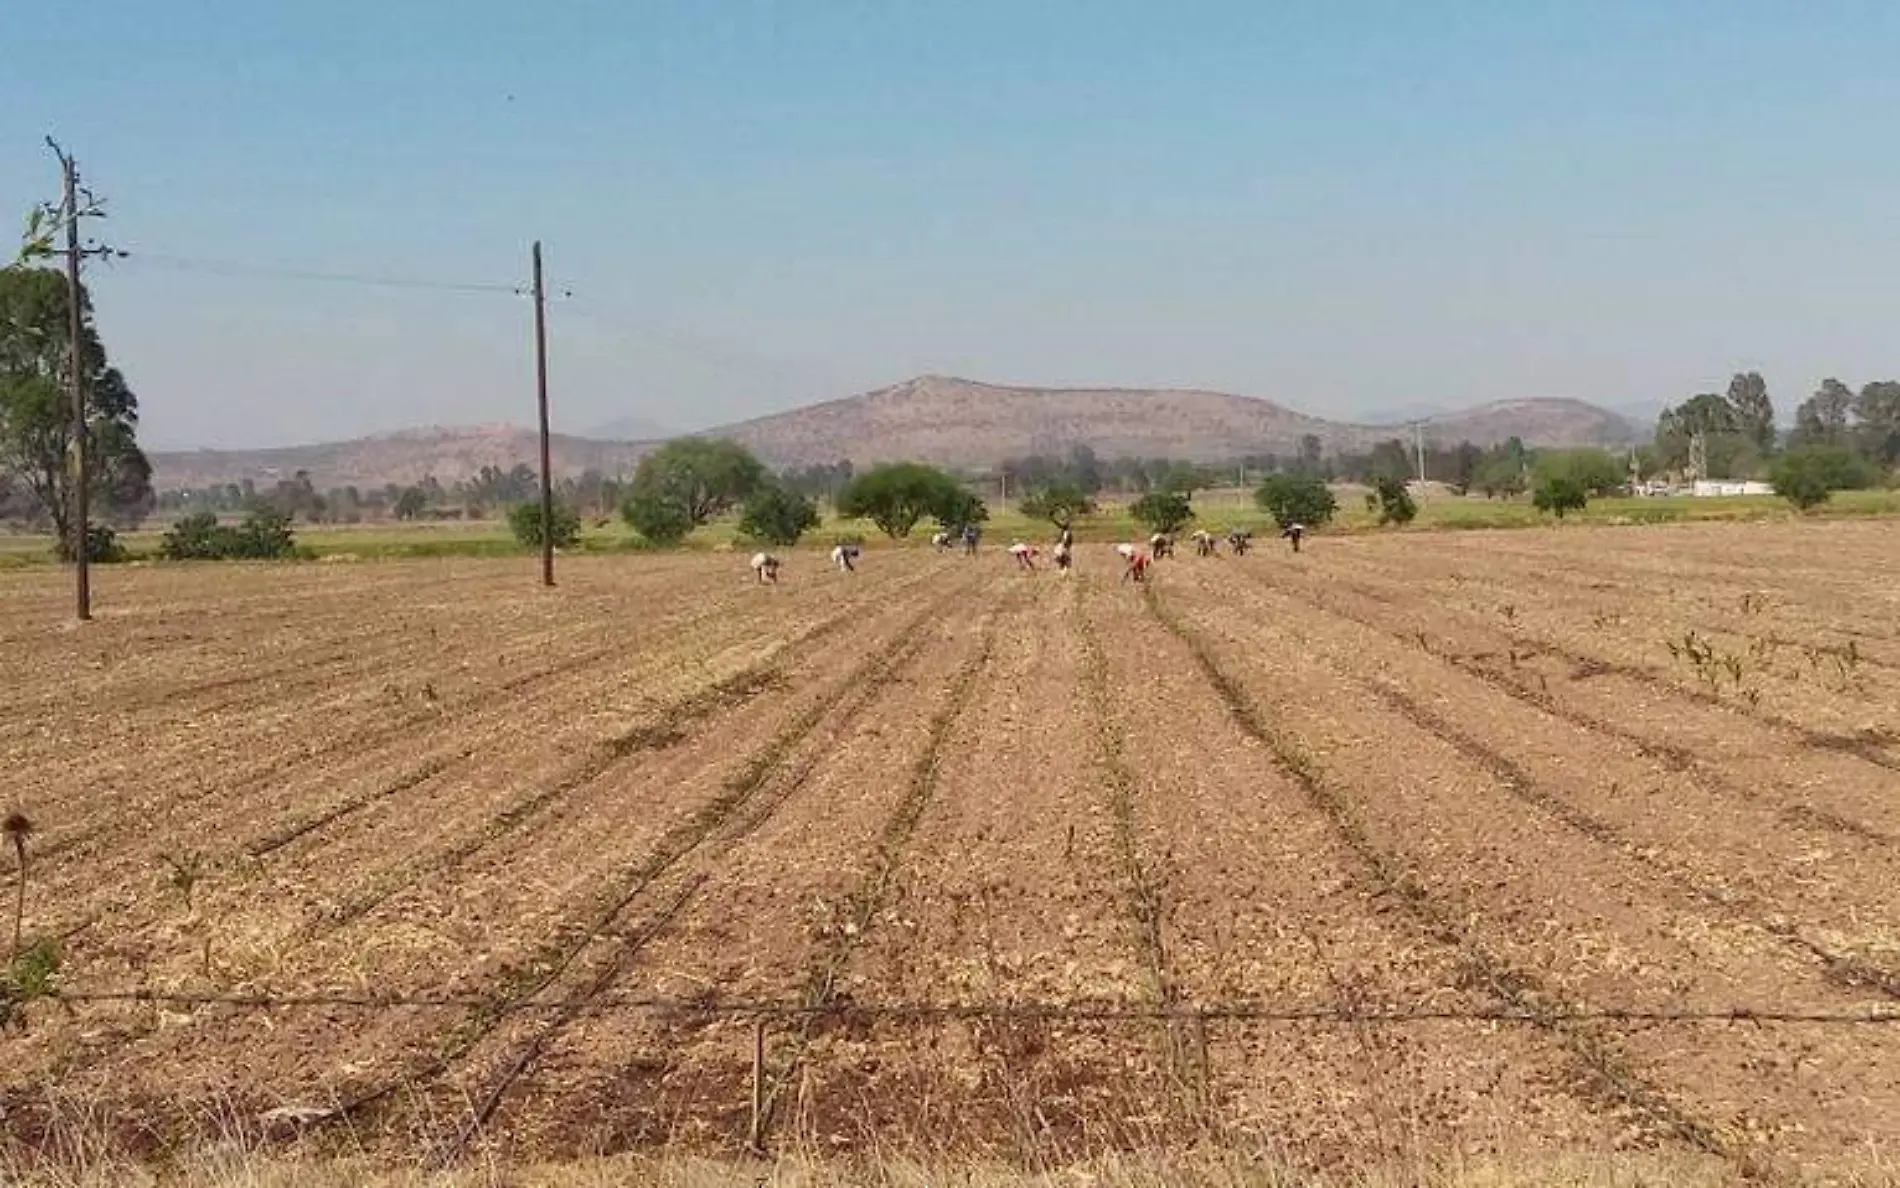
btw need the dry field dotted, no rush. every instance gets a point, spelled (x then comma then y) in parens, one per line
(1414, 851)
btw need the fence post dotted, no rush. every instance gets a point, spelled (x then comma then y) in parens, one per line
(756, 1137)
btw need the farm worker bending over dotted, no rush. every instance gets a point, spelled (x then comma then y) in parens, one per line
(941, 540)
(1239, 541)
(1025, 555)
(1293, 533)
(1161, 545)
(1204, 543)
(766, 566)
(1138, 563)
(843, 556)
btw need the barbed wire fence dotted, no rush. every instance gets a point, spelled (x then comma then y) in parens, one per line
(925, 1011)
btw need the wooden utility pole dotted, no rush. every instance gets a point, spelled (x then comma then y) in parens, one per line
(541, 395)
(76, 385)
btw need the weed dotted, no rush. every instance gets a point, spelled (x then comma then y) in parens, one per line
(29, 976)
(182, 873)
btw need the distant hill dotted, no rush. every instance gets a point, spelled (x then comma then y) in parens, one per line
(963, 423)
(367, 462)
(952, 422)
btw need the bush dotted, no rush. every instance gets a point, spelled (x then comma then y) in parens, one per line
(1293, 499)
(1809, 475)
(264, 535)
(102, 545)
(777, 515)
(1396, 505)
(1162, 511)
(525, 521)
(660, 519)
(1559, 494)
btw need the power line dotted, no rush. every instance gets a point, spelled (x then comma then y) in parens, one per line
(241, 269)
(931, 1011)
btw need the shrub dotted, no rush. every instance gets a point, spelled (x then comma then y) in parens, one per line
(265, 534)
(1396, 505)
(524, 519)
(1559, 494)
(777, 515)
(1162, 511)
(660, 519)
(1294, 499)
(1809, 475)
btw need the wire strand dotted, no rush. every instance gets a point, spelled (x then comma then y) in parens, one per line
(234, 268)
(931, 1011)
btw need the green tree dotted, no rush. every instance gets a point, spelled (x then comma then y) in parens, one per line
(1808, 476)
(524, 519)
(1560, 494)
(961, 507)
(689, 480)
(411, 502)
(1395, 501)
(1754, 411)
(1058, 503)
(1878, 409)
(1597, 471)
(36, 415)
(1391, 459)
(777, 515)
(1824, 418)
(1296, 499)
(1500, 475)
(896, 495)
(1162, 511)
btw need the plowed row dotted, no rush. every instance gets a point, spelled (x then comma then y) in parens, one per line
(1362, 856)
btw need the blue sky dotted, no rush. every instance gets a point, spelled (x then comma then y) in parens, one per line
(1344, 206)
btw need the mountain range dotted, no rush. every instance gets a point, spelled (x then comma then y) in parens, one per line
(938, 419)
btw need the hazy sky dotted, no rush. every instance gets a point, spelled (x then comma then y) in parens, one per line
(1345, 206)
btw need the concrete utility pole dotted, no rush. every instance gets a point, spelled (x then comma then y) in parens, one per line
(541, 397)
(1418, 448)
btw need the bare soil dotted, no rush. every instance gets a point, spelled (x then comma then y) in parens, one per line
(1407, 851)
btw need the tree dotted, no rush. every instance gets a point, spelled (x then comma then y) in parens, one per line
(1058, 503)
(896, 495)
(36, 413)
(1395, 501)
(1878, 408)
(1462, 467)
(410, 503)
(962, 507)
(1391, 459)
(1162, 511)
(1500, 474)
(1312, 453)
(1596, 471)
(1823, 418)
(1754, 411)
(1296, 499)
(777, 515)
(564, 524)
(1808, 476)
(1559, 494)
(689, 480)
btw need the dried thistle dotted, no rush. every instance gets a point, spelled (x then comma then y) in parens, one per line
(18, 827)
